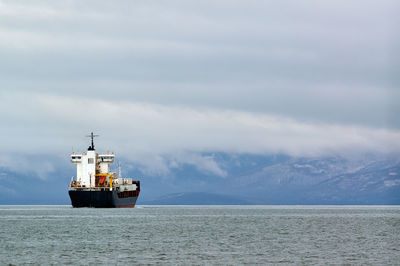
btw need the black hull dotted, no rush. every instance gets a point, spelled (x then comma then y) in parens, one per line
(102, 199)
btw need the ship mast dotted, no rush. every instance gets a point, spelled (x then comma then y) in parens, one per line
(92, 136)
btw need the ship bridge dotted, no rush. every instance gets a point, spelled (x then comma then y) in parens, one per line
(89, 164)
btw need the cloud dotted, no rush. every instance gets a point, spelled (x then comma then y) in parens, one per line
(159, 79)
(54, 123)
(204, 163)
(161, 165)
(330, 63)
(39, 166)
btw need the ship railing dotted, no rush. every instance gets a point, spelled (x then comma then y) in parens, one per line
(75, 183)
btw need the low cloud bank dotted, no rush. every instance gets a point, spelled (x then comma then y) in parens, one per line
(45, 122)
(160, 137)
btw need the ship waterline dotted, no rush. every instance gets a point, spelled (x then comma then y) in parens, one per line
(102, 199)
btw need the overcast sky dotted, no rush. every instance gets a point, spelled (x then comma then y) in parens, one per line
(173, 77)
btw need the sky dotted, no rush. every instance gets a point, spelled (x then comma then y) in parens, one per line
(184, 78)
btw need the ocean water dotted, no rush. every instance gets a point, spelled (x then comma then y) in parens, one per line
(199, 235)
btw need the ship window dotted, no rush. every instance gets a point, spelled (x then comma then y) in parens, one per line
(90, 160)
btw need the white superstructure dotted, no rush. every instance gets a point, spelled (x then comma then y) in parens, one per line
(90, 164)
(93, 172)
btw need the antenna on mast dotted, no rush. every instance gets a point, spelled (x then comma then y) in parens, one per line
(92, 136)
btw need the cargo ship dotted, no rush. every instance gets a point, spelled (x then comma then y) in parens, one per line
(95, 186)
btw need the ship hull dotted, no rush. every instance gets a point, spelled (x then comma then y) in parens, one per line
(103, 199)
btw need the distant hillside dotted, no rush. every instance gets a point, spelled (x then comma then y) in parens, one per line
(247, 179)
(279, 179)
(331, 180)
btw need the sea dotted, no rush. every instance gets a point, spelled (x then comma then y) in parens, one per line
(200, 235)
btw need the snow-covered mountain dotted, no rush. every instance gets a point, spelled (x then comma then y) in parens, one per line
(235, 179)
(280, 179)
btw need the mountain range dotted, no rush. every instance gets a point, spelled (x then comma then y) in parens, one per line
(282, 179)
(240, 179)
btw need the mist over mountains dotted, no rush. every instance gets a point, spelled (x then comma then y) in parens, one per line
(235, 179)
(282, 179)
